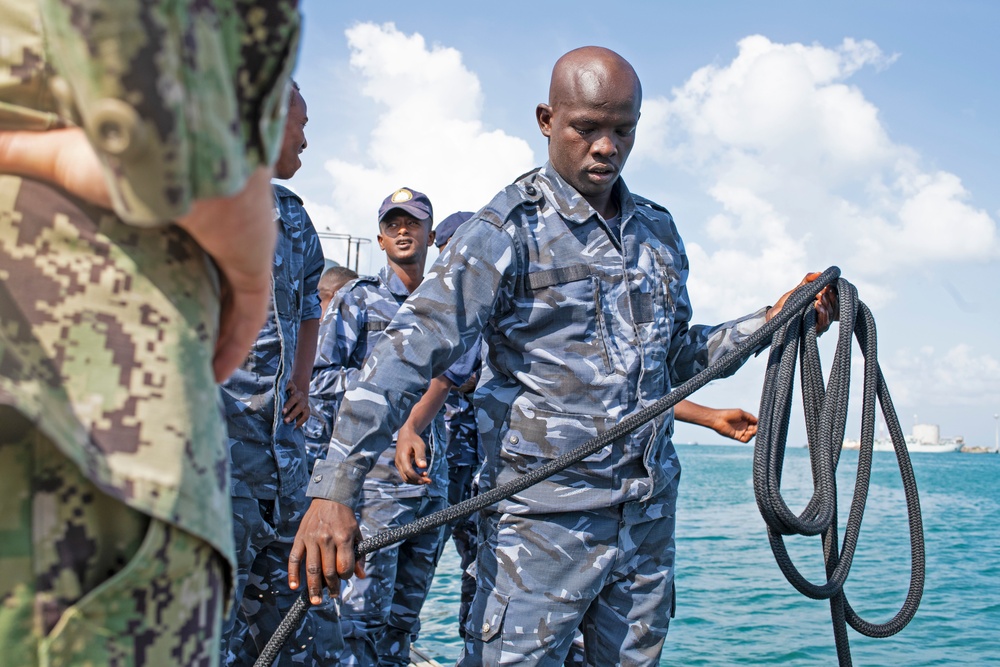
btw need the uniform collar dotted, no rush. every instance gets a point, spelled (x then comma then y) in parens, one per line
(393, 282)
(571, 205)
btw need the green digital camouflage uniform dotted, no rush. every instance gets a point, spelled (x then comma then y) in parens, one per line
(115, 526)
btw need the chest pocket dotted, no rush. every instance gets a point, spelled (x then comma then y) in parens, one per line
(664, 282)
(562, 308)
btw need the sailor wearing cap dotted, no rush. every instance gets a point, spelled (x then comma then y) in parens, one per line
(380, 613)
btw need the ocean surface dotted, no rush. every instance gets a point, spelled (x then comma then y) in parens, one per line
(734, 606)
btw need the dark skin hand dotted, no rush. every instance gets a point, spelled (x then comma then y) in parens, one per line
(296, 406)
(411, 450)
(332, 531)
(826, 304)
(736, 424)
(729, 422)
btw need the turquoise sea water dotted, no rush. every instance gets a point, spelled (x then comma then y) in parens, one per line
(734, 606)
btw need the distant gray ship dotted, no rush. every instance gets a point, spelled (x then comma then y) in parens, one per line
(925, 438)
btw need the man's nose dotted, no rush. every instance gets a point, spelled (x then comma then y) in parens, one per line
(604, 146)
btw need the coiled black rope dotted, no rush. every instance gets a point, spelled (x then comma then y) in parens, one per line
(826, 417)
(796, 308)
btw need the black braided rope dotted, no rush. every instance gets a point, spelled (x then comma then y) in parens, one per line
(826, 417)
(798, 303)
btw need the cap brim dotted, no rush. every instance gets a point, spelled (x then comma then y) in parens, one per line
(416, 211)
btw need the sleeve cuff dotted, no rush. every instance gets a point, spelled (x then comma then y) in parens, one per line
(339, 482)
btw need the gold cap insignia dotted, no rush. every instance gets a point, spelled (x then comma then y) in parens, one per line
(401, 195)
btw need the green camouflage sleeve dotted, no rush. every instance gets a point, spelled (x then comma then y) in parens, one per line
(182, 100)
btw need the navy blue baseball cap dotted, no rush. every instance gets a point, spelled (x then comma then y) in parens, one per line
(448, 226)
(407, 199)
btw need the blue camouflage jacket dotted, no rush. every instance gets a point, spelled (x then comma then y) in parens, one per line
(460, 421)
(268, 455)
(353, 324)
(582, 325)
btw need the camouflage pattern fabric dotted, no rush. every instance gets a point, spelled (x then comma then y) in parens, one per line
(264, 531)
(460, 427)
(106, 346)
(353, 323)
(464, 535)
(108, 328)
(539, 575)
(268, 455)
(457, 427)
(182, 100)
(380, 614)
(269, 467)
(581, 327)
(583, 324)
(86, 580)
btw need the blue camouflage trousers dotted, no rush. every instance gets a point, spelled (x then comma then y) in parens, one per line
(463, 533)
(607, 572)
(264, 531)
(380, 614)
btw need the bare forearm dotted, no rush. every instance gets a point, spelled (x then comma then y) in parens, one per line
(305, 353)
(422, 414)
(245, 265)
(692, 413)
(217, 223)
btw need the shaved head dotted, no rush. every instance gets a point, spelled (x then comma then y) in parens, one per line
(590, 121)
(593, 73)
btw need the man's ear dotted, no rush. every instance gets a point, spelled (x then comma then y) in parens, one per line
(430, 238)
(543, 114)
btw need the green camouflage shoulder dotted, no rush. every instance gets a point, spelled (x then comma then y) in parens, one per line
(182, 100)
(25, 100)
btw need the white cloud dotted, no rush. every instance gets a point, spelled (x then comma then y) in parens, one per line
(804, 175)
(428, 134)
(959, 377)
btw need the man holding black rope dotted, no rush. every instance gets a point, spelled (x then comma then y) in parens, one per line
(579, 290)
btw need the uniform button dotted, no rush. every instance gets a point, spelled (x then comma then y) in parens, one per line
(513, 439)
(486, 627)
(116, 129)
(61, 90)
(531, 190)
(318, 478)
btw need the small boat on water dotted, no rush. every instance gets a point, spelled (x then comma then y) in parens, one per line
(925, 438)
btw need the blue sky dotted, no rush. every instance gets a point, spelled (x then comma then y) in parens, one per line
(783, 137)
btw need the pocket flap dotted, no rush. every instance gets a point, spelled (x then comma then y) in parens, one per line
(486, 615)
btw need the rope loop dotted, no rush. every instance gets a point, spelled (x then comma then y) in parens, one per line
(825, 407)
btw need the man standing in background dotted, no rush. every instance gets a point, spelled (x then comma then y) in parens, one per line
(266, 405)
(457, 428)
(330, 283)
(115, 535)
(381, 612)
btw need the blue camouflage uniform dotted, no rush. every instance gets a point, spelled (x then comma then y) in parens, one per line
(457, 427)
(583, 323)
(381, 613)
(269, 467)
